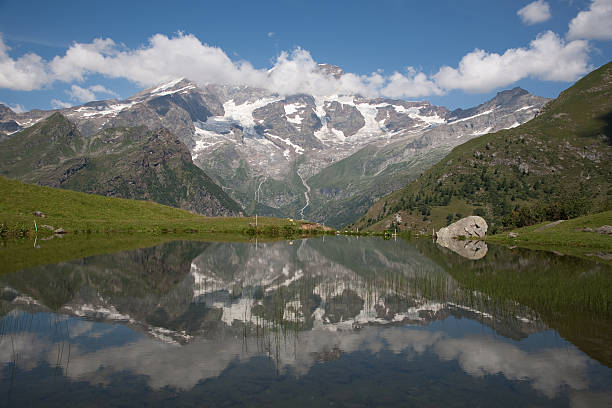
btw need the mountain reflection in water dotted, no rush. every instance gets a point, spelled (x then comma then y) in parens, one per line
(335, 320)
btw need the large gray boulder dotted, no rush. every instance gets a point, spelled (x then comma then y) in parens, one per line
(466, 228)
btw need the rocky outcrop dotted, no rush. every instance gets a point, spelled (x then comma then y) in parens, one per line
(472, 226)
(457, 237)
(330, 70)
(344, 118)
(604, 230)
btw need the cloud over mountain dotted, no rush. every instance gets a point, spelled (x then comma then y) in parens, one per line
(81, 94)
(548, 57)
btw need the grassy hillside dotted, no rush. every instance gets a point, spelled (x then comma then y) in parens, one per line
(119, 162)
(86, 213)
(557, 166)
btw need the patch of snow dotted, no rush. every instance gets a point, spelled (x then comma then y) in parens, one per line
(415, 113)
(185, 89)
(111, 110)
(29, 122)
(320, 109)
(206, 139)
(524, 108)
(472, 117)
(482, 132)
(243, 113)
(338, 133)
(291, 108)
(296, 148)
(371, 127)
(296, 120)
(166, 85)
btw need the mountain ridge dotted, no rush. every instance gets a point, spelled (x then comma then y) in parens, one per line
(265, 149)
(132, 163)
(553, 167)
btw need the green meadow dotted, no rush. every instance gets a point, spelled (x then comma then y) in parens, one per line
(80, 213)
(577, 237)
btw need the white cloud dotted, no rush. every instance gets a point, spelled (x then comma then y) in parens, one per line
(595, 23)
(164, 58)
(103, 90)
(81, 94)
(88, 94)
(415, 84)
(57, 104)
(536, 12)
(25, 73)
(548, 57)
(271, 34)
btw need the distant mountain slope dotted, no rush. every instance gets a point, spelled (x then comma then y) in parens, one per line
(282, 154)
(347, 188)
(120, 162)
(557, 165)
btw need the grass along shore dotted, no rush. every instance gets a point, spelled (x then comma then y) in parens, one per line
(77, 212)
(577, 236)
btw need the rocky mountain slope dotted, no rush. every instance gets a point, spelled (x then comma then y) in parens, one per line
(121, 162)
(556, 166)
(322, 158)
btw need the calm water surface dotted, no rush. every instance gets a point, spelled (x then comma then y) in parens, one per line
(339, 321)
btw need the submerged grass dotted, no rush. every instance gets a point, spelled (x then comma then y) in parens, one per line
(547, 282)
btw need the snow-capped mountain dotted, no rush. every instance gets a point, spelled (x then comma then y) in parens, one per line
(264, 148)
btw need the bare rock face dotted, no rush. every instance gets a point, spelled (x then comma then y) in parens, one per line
(342, 117)
(468, 227)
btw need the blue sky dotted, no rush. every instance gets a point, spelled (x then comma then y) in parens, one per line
(363, 37)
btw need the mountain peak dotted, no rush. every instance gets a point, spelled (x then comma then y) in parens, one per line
(516, 91)
(173, 86)
(5, 110)
(333, 70)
